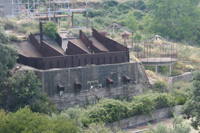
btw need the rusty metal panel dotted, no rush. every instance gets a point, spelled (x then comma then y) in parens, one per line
(111, 45)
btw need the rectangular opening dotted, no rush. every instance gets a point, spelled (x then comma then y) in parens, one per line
(60, 87)
(127, 79)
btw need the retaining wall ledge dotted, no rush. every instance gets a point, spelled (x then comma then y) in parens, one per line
(142, 119)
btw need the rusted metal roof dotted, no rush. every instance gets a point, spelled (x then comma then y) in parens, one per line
(99, 45)
(80, 44)
(27, 49)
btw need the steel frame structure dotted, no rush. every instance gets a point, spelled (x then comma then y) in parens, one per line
(124, 29)
(167, 48)
(52, 9)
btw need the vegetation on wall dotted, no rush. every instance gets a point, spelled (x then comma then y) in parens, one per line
(50, 29)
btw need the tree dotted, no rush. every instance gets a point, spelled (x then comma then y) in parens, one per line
(50, 29)
(177, 19)
(8, 59)
(140, 5)
(131, 22)
(24, 120)
(24, 89)
(192, 106)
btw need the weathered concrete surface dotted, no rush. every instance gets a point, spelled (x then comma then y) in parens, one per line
(142, 119)
(158, 61)
(186, 77)
(93, 81)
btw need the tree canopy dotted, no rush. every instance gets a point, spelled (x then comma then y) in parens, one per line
(192, 106)
(50, 29)
(177, 19)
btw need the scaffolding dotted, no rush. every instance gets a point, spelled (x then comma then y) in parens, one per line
(51, 10)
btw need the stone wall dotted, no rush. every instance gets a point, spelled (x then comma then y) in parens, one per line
(143, 119)
(93, 80)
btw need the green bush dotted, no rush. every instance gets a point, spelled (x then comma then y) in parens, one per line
(176, 72)
(13, 38)
(106, 111)
(109, 3)
(94, 13)
(9, 24)
(180, 96)
(109, 110)
(138, 14)
(160, 86)
(3, 36)
(163, 70)
(124, 7)
(140, 4)
(24, 120)
(164, 100)
(50, 29)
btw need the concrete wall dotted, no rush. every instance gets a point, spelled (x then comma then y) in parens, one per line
(186, 77)
(143, 119)
(93, 81)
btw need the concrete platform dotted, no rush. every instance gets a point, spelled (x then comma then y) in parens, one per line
(158, 61)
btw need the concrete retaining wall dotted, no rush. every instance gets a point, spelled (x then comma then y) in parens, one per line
(186, 77)
(142, 119)
(94, 83)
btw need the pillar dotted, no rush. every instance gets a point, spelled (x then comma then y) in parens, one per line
(156, 69)
(169, 70)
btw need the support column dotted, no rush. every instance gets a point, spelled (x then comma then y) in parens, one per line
(72, 19)
(156, 69)
(69, 17)
(86, 19)
(169, 70)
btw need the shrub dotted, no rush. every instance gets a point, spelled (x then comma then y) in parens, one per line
(13, 38)
(3, 37)
(179, 126)
(163, 70)
(180, 96)
(93, 13)
(124, 7)
(140, 4)
(160, 86)
(139, 14)
(109, 3)
(9, 24)
(50, 29)
(75, 114)
(27, 26)
(176, 72)
(189, 68)
(106, 111)
(164, 100)
(141, 105)
(24, 120)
